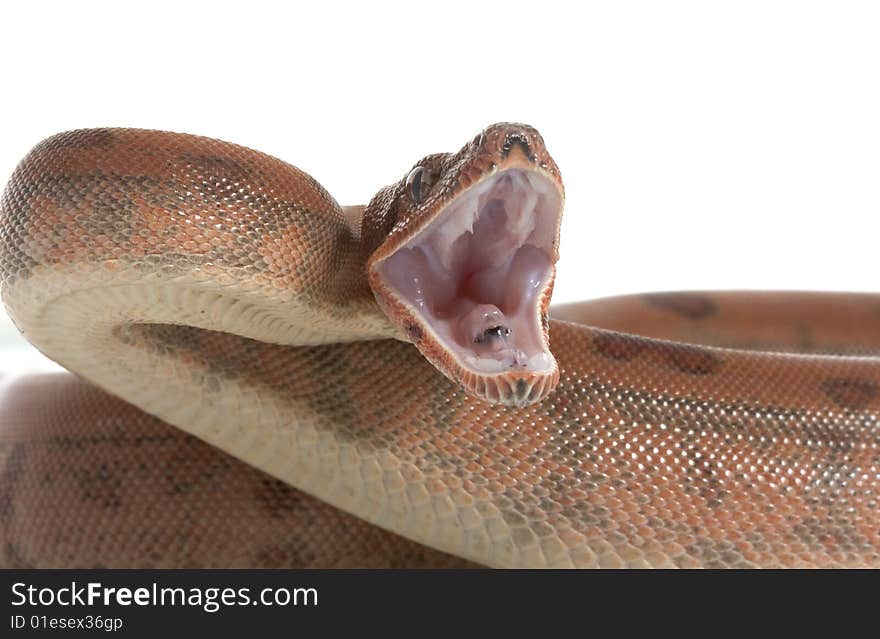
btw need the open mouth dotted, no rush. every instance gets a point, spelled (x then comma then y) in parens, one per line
(476, 273)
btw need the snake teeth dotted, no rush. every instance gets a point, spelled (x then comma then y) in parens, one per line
(509, 202)
(475, 274)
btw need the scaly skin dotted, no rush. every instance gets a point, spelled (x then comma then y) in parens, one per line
(227, 293)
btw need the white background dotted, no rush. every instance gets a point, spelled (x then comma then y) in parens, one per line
(703, 145)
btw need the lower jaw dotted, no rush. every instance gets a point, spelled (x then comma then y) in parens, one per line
(492, 326)
(514, 390)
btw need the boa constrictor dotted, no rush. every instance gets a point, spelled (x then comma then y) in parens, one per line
(390, 364)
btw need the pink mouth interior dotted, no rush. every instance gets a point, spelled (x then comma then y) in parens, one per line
(476, 273)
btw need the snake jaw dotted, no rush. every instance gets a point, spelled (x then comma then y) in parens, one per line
(471, 285)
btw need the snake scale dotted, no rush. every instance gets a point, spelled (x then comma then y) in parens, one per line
(266, 378)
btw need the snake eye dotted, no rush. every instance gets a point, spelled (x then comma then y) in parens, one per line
(418, 182)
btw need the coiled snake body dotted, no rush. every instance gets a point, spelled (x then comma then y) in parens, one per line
(391, 361)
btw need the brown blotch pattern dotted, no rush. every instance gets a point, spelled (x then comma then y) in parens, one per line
(689, 305)
(689, 359)
(415, 333)
(14, 459)
(852, 393)
(682, 358)
(616, 346)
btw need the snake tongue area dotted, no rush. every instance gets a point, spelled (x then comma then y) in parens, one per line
(477, 275)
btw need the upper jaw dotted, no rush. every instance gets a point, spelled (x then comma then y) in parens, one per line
(475, 280)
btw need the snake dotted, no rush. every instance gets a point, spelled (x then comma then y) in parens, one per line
(261, 377)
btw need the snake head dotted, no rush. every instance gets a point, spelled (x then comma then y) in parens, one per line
(463, 254)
